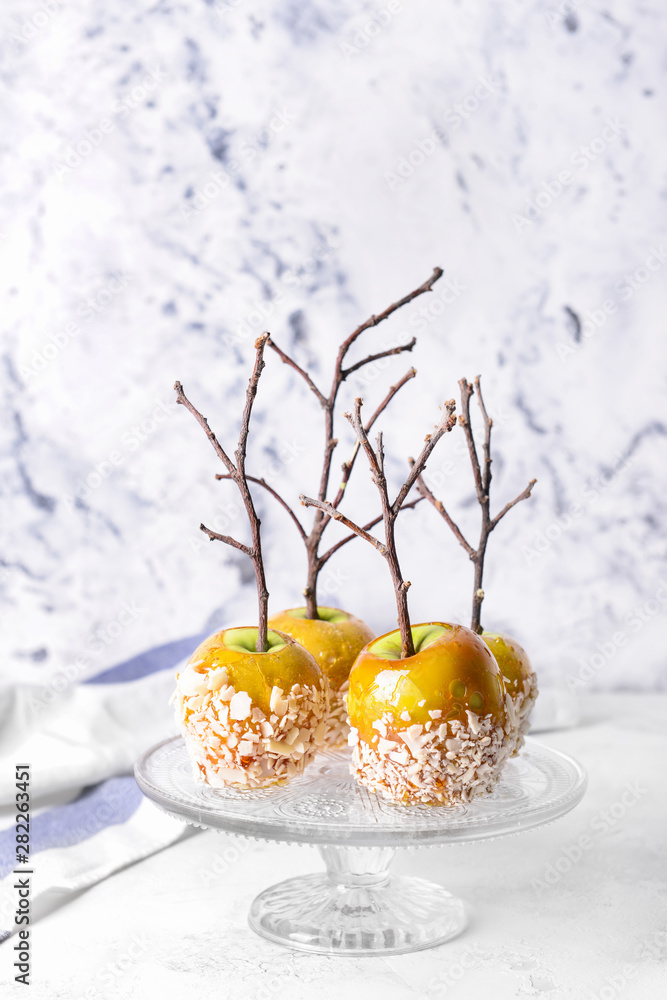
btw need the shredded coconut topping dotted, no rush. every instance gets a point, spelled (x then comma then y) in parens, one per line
(337, 728)
(522, 706)
(452, 764)
(230, 740)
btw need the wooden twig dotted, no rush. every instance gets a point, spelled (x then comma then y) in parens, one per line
(488, 424)
(328, 401)
(219, 450)
(285, 358)
(349, 465)
(482, 477)
(376, 357)
(445, 424)
(428, 495)
(275, 494)
(227, 539)
(338, 516)
(390, 511)
(366, 527)
(236, 472)
(464, 420)
(508, 506)
(374, 320)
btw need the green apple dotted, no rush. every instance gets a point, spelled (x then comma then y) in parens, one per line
(250, 719)
(518, 674)
(432, 727)
(335, 639)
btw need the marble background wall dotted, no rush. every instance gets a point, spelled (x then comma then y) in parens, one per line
(182, 174)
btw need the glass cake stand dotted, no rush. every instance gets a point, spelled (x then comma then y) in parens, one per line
(358, 907)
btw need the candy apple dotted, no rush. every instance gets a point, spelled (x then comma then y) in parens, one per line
(250, 718)
(431, 727)
(335, 639)
(333, 636)
(427, 703)
(251, 703)
(519, 677)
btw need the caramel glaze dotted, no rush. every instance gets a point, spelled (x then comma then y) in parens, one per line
(512, 659)
(334, 644)
(455, 673)
(257, 673)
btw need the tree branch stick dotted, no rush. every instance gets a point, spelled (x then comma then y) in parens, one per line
(238, 474)
(389, 514)
(508, 506)
(328, 404)
(366, 527)
(362, 437)
(275, 494)
(219, 450)
(376, 357)
(374, 320)
(482, 477)
(250, 395)
(337, 516)
(349, 465)
(488, 424)
(466, 392)
(227, 539)
(285, 358)
(391, 511)
(445, 424)
(439, 506)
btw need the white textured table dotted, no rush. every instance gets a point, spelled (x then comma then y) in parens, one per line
(574, 910)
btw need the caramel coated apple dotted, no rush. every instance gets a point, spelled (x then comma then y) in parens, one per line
(433, 727)
(250, 719)
(519, 676)
(335, 639)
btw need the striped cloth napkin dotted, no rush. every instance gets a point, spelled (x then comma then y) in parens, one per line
(88, 818)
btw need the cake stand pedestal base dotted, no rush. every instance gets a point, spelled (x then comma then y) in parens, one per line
(357, 908)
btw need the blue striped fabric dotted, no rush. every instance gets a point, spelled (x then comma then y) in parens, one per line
(114, 802)
(158, 658)
(111, 802)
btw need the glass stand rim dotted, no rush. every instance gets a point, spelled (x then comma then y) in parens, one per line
(326, 806)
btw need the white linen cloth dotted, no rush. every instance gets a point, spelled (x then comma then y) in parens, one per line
(88, 817)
